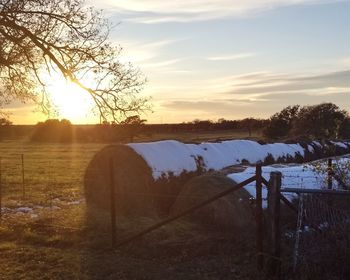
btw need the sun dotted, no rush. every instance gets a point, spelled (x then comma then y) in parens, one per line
(70, 101)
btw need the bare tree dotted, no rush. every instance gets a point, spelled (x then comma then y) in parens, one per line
(41, 36)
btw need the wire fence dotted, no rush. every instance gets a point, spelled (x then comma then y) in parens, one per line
(322, 240)
(34, 192)
(33, 188)
(32, 179)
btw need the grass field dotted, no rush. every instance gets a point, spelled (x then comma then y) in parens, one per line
(55, 169)
(202, 136)
(50, 234)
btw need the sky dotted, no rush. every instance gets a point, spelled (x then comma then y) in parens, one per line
(230, 59)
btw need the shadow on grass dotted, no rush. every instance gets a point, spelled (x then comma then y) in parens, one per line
(179, 250)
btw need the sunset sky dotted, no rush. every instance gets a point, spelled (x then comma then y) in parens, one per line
(230, 58)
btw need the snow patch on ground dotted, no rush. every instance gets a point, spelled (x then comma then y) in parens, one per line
(24, 209)
(300, 176)
(34, 210)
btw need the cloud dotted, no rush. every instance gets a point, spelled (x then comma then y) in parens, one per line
(321, 84)
(260, 94)
(160, 63)
(231, 57)
(142, 52)
(345, 61)
(257, 88)
(208, 109)
(156, 11)
(207, 105)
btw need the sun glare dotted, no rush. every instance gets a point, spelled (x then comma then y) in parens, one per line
(71, 102)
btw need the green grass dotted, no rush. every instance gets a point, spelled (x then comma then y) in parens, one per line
(50, 170)
(60, 240)
(54, 170)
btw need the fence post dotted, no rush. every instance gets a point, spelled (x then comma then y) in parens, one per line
(330, 174)
(112, 201)
(23, 186)
(259, 218)
(274, 230)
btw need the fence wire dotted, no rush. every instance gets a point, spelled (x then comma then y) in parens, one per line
(322, 242)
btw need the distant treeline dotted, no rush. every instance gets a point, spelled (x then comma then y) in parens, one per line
(247, 124)
(322, 121)
(54, 130)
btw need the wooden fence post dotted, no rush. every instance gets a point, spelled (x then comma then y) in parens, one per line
(112, 201)
(274, 230)
(23, 186)
(330, 174)
(259, 218)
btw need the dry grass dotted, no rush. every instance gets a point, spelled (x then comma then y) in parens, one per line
(201, 136)
(73, 243)
(61, 239)
(60, 167)
(54, 170)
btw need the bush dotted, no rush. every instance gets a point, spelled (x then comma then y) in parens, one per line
(281, 123)
(322, 121)
(53, 130)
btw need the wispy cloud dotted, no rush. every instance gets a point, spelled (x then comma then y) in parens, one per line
(260, 87)
(156, 11)
(160, 63)
(325, 84)
(345, 61)
(142, 52)
(262, 93)
(231, 57)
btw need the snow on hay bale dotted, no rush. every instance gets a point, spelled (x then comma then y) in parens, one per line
(172, 158)
(150, 175)
(232, 210)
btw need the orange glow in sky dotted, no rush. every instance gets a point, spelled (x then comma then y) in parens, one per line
(71, 102)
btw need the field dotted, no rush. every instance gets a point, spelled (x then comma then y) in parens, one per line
(201, 136)
(50, 234)
(57, 170)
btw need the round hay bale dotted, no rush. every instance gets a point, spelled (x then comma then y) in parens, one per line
(230, 211)
(132, 176)
(167, 189)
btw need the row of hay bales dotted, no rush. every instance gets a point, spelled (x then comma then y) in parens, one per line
(161, 178)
